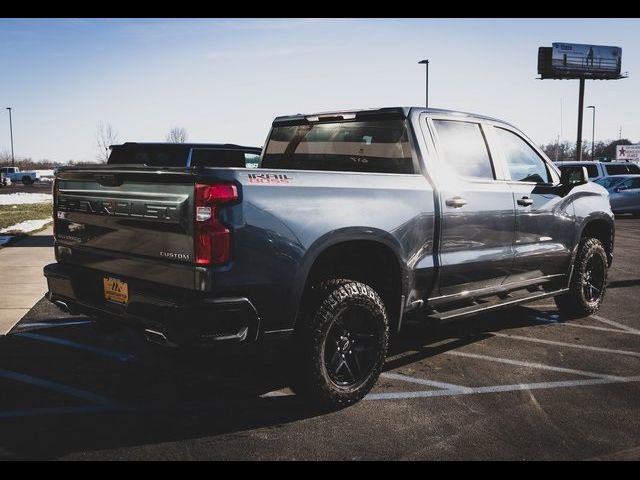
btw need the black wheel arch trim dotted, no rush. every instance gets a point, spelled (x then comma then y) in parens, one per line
(344, 235)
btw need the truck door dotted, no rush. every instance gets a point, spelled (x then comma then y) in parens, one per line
(477, 211)
(544, 225)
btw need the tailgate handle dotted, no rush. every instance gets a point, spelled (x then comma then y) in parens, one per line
(109, 180)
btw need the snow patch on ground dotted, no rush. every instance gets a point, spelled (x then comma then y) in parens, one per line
(26, 226)
(21, 198)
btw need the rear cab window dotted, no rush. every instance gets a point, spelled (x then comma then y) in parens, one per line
(183, 155)
(152, 155)
(372, 146)
(204, 157)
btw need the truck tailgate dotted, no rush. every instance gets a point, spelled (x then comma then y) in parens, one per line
(132, 222)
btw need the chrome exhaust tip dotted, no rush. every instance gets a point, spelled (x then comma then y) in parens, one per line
(159, 338)
(62, 306)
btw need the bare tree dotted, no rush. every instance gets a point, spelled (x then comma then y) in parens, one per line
(106, 137)
(177, 135)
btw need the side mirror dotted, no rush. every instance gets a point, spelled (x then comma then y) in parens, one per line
(621, 188)
(574, 176)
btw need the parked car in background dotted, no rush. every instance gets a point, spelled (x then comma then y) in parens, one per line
(624, 192)
(597, 170)
(184, 155)
(16, 175)
(4, 180)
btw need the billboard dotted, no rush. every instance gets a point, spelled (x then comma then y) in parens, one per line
(578, 58)
(628, 152)
(574, 60)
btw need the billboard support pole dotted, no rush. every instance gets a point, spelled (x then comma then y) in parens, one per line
(580, 110)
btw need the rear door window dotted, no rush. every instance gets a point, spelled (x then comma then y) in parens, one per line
(622, 169)
(632, 183)
(373, 146)
(608, 182)
(464, 148)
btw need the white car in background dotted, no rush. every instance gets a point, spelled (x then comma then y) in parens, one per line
(16, 175)
(598, 170)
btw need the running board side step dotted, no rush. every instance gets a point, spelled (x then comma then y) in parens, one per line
(489, 307)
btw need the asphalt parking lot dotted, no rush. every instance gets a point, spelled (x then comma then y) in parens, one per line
(516, 384)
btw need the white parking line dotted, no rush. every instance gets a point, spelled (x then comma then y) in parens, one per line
(540, 366)
(422, 381)
(550, 321)
(615, 324)
(57, 387)
(60, 411)
(564, 344)
(123, 357)
(499, 388)
(601, 329)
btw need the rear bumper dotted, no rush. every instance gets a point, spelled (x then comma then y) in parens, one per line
(182, 317)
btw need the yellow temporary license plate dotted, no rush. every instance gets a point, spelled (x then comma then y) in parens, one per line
(115, 290)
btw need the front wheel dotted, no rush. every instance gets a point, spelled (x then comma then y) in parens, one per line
(341, 343)
(588, 281)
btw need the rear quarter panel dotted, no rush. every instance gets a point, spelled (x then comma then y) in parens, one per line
(282, 225)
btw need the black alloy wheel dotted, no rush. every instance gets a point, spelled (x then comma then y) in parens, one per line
(340, 343)
(350, 347)
(593, 278)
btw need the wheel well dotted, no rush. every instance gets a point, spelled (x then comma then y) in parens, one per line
(365, 261)
(601, 230)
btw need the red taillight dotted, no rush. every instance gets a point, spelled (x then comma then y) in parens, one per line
(212, 237)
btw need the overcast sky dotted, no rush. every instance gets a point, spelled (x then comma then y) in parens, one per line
(224, 80)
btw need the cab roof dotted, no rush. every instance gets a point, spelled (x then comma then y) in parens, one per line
(374, 113)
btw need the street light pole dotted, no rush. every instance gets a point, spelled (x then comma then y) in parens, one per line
(13, 160)
(593, 130)
(426, 64)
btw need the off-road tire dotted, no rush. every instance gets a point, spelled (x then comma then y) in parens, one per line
(575, 304)
(327, 303)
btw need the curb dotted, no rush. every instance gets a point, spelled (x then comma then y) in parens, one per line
(21, 235)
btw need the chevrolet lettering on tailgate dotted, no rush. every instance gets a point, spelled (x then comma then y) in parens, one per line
(123, 208)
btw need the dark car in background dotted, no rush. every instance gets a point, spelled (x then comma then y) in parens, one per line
(184, 155)
(624, 192)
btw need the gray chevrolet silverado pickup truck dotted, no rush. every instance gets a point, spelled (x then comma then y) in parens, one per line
(352, 221)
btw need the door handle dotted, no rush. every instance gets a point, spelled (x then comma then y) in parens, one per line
(525, 201)
(455, 202)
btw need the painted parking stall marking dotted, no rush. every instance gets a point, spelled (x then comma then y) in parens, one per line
(565, 344)
(120, 356)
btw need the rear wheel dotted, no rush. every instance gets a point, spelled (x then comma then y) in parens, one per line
(341, 343)
(27, 180)
(588, 281)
